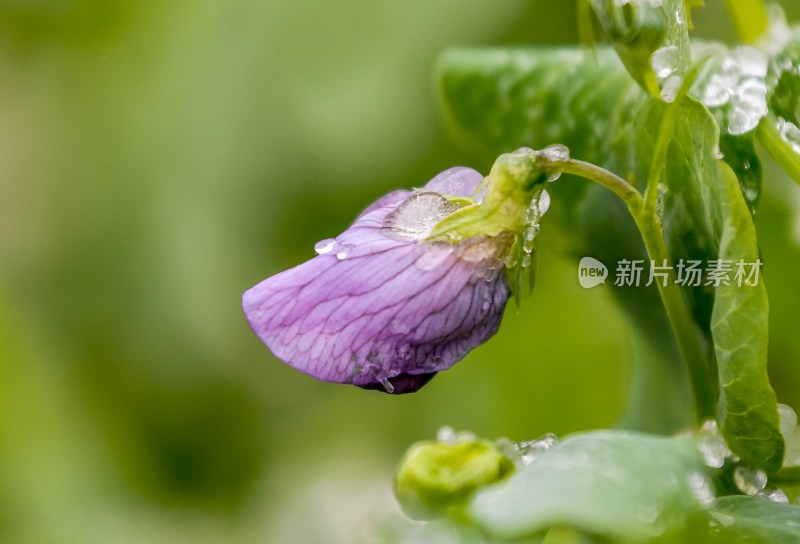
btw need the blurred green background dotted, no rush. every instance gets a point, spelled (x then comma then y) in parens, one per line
(157, 159)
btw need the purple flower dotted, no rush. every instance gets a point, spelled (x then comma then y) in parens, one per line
(381, 307)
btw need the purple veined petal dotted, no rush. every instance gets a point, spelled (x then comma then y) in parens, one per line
(458, 181)
(387, 313)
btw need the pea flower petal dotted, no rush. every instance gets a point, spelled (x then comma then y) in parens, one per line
(380, 307)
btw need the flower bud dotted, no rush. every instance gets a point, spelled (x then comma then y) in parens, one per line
(435, 478)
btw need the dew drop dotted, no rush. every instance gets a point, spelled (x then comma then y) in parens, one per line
(542, 202)
(749, 480)
(751, 61)
(788, 424)
(790, 133)
(343, 251)
(526, 260)
(448, 435)
(700, 488)
(486, 306)
(530, 450)
(665, 61)
(555, 153)
(726, 520)
(386, 384)
(712, 445)
(773, 494)
(717, 92)
(671, 87)
(325, 246)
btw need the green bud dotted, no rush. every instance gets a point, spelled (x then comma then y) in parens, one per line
(435, 478)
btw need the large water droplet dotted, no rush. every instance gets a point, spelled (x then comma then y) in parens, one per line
(325, 246)
(749, 480)
(415, 217)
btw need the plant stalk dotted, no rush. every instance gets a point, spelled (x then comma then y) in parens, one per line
(680, 319)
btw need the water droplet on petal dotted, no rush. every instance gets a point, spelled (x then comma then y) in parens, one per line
(526, 260)
(530, 450)
(325, 246)
(384, 381)
(416, 216)
(343, 251)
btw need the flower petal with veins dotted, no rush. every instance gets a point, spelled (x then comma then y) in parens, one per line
(384, 311)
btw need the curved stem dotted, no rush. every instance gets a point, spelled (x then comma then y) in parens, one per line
(680, 319)
(609, 180)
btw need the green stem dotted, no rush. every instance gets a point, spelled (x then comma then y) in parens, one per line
(680, 319)
(750, 18)
(778, 147)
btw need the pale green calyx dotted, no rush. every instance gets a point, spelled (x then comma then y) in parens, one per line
(511, 200)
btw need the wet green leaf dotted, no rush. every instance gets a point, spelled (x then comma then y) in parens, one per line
(739, 325)
(627, 487)
(750, 519)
